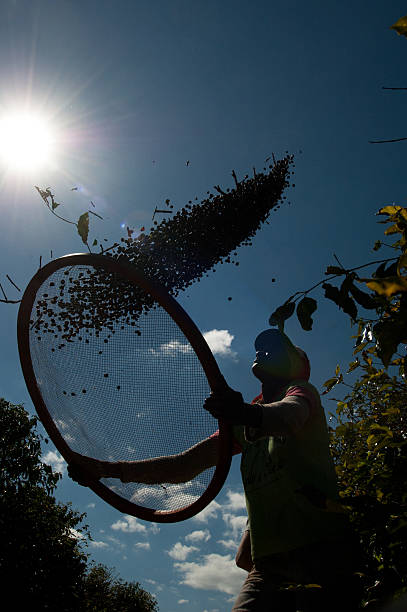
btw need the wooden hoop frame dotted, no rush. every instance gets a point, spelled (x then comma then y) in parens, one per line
(195, 338)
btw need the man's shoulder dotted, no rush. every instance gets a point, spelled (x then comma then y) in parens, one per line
(303, 388)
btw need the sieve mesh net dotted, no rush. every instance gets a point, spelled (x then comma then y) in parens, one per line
(119, 378)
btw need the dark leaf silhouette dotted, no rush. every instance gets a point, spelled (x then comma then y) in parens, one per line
(305, 308)
(83, 227)
(281, 314)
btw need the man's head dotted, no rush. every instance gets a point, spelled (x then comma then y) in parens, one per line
(277, 359)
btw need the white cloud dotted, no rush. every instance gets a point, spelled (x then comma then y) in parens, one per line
(129, 524)
(116, 542)
(99, 544)
(159, 497)
(183, 601)
(180, 551)
(158, 587)
(216, 572)
(172, 348)
(77, 535)
(55, 460)
(228, 544)
(236, 501)
(201, 535)
(92, 505)
(210, 512)
(143, 545)
(237, 524)
(220, 341)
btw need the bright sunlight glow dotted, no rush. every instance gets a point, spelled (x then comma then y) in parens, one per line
(26, 142)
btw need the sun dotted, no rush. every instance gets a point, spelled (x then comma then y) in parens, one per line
(26, 142)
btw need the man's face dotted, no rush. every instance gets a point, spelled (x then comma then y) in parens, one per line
(261, 365)
(268, 351)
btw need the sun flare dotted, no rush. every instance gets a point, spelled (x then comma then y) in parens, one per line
(26, 142)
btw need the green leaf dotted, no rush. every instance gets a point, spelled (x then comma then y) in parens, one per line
(281, 314)
(400, 26)
(377, 245)
(83, 227)
(55, 204)
(95, 242)
(305, 308)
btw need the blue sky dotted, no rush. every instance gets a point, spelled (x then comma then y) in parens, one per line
(134, 90)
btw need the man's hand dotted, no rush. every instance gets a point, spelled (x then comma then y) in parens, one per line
(228, 405)
(79, 475)
(85, 470)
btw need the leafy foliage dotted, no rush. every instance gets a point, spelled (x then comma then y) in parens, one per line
(42, 563)
(369, 446)
(105, 592)
(386, 327)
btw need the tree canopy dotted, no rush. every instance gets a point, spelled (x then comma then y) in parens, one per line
(43, 563)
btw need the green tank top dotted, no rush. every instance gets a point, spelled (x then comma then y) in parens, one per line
(290, 486)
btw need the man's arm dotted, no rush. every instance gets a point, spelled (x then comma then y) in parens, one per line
(283, 418)
(173, 469)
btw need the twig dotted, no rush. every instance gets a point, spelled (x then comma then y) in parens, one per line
(372, 263)
(235, 178)
(396, 88)
(13, 283)
(96, 215)
(10, 301)
(157, 210)
(47, 194)
(383, 141)
(343, 267)
(2, 290)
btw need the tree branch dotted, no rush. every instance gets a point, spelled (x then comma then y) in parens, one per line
(382, 141)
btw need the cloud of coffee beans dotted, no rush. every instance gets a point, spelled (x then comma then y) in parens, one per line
(176, 253)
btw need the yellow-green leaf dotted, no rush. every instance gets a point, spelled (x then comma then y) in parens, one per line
(389, 210)
(393, 229)
(400, 26)
(353, 365)
(387, 286)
